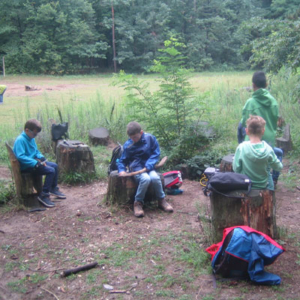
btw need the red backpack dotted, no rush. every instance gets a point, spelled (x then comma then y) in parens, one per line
(172, 179)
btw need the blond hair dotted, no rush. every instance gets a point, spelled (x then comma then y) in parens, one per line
(256, 125)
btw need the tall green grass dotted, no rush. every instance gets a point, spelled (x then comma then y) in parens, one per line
(94, 102)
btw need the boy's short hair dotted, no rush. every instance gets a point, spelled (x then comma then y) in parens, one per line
(133, 128)
(259, 79)
(255, 125)
(33, 124)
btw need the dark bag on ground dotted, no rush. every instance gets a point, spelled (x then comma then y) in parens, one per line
(59, 131)
(225, 182)
(116, 154)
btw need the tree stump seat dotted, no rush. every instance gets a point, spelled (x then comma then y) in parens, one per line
(28, 186)
(285, 142)
(256, 210)
(121, 190)
(99, 136)
(226, 163)
(74, 157)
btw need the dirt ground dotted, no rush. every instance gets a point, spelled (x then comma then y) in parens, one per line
(18, 90)
(155, 257)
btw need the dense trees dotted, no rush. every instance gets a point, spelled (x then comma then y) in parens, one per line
(72, 36)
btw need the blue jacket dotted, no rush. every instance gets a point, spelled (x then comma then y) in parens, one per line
(143, 154)
(26, 151)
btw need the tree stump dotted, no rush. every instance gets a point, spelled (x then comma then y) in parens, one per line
(27, 185)
(121, 190)
(74, 157)
(99, 136)
(226, 163)
(285, 142)
(257, 210)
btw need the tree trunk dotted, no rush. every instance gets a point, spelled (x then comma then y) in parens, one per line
(258, 210)
(121, 190)
(99, 136)
(226, 163)
(285, 142)
(74, 157)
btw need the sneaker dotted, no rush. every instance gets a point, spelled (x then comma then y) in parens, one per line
(138, 209)
(57, 193)
(165, 206)
(45, 201)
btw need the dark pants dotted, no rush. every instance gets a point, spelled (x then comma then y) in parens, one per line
(51, 172)
(241, 133)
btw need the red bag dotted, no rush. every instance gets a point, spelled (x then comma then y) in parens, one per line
(172, 179)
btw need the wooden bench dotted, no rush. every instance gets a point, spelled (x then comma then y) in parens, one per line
(27, 185)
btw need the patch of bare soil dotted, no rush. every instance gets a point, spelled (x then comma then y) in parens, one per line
(18, 90)
(155, 257)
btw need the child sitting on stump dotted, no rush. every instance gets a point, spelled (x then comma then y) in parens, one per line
(31, 160)
(141, 153)
(255, 157)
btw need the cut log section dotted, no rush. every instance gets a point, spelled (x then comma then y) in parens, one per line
(257, 210)
(226, 163)
(74, 157)
(285, 142)
(121, 190)
(99, 136)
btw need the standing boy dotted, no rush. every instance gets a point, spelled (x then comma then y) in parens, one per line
(255, 157)
(263, 104)
(31, 160)
(141, 153)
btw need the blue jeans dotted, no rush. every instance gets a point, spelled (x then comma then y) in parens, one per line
(144, 181)
(51, 172)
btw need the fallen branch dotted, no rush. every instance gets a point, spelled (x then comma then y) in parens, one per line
(2, 231)
(117, 292)
(78, 269)
(50, 293)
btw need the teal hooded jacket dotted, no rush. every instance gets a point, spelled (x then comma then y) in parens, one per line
(255, 161)
(26, 151)
(265, 105)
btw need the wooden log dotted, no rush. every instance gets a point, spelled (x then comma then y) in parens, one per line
(121, 190)
(285, 143)
(258, 210)
(99, 136)
(27, 185)
(74, 157)
(226, 163)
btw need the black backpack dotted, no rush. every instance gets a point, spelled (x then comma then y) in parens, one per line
(116, 154)
(59, 131)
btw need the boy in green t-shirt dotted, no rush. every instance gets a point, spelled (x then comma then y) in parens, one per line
(255, 157)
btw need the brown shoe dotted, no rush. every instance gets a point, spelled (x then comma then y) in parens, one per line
(165, 206)
(138, 209)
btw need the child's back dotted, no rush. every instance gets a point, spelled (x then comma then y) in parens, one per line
(255, 160)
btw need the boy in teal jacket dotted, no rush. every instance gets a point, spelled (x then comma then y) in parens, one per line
(31, 160)
(255, 157)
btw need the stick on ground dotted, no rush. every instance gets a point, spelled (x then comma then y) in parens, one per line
(78, 269)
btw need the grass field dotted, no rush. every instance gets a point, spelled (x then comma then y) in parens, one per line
(91, 101)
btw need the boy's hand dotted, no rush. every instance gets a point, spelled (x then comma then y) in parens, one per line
(123, 174)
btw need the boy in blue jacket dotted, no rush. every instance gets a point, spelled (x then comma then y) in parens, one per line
(31, 160)
(140, 154)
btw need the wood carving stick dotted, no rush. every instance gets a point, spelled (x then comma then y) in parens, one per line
(78, 269)
(160, 164)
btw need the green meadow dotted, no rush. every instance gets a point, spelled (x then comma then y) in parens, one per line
(92, 101)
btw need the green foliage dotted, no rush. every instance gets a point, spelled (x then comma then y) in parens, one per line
(74, 178)
(6, 192)
(199, 163)
(172, 112)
